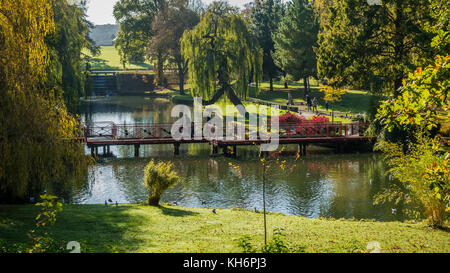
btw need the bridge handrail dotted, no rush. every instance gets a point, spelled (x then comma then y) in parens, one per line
(163, 130)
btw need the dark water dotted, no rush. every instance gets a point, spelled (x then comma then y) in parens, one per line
(320, 184)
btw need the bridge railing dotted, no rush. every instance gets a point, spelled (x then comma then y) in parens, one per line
(163, 130)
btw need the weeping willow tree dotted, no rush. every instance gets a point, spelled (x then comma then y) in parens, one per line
(36, 131)
(223, 57)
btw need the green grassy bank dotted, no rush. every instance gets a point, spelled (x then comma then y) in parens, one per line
(354, 101)
(109, 59)
(138, 228)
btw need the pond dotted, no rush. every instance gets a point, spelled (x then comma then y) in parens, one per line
(320, 184)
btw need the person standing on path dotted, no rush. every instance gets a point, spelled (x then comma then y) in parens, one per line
(314, 104)
(290, 100)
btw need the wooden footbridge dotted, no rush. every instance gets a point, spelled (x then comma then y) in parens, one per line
(338, 135)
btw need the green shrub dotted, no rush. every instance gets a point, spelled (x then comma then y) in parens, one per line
(157, 179)
(424, 172)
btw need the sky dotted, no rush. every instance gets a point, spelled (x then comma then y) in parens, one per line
(100, 12)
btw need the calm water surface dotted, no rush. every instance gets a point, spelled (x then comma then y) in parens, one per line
(322, 184)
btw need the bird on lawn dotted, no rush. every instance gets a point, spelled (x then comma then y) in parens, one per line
(214, 211)
(175, 203)
(203, 202)
(110, 201)
(117, 204)
(106, 203)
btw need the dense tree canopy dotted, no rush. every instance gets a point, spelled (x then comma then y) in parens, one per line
(264, 18)
(440, 11)
(169, 24)
(295, 40)
(35, 128)
(135, 18)
(424, 99)
(373, 46)
(65, 45)
(222, 55)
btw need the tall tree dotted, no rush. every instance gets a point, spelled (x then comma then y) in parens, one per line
(168, 26)
(35, 129)
(264, 18)
(373, 46)
(295, 40)
(222, 55)
(71, 36)
(135, 18)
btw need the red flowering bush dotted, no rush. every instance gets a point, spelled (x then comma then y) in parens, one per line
(320, 119)
(316, 126)
(290, 118)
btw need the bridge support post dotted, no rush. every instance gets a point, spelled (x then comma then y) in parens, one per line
(235, 150)
(136, 150)
(96, 150)
(176, 148)
(226, 150)
(104, 150)
(92, 151)
(215, 149)
(263, 153)
(108, 151)
(302, 149)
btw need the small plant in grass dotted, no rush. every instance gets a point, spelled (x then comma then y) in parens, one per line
(41, 240)
(159, 176)
(278, 244)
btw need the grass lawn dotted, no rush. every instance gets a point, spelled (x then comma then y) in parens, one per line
(353, 101)
(109, 59)
(138, 228)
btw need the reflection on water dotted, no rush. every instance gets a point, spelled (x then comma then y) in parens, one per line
(320, 184)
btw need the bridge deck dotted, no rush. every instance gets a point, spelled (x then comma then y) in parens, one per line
(109, 133)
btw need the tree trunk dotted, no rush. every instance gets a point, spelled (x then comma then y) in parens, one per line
(215, 97)
(309, 87)
(285, 80)
(160, 69)
(236, 100)
(397, 85)
(271, 84)
(181, 78)
(305, 84)
(181, 85)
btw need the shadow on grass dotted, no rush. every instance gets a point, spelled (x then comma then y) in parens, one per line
(176, 212)
(98, 229)
(101, 64)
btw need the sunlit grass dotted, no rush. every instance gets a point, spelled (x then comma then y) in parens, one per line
(354, 101)
(109, 59)
(138, 228)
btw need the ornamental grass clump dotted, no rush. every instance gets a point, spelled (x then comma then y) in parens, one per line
(158, 177)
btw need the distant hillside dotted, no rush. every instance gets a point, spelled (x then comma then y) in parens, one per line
(104, 35)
